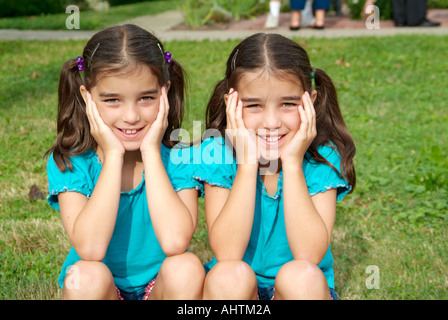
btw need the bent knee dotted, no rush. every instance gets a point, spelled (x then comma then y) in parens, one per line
(301, 279)
(183, 265)
(89, 279)
(231, 280)
(301, 270)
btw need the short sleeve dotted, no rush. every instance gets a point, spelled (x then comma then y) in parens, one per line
(321, 177)
(79, 179)
(214, 163)
(179, 166)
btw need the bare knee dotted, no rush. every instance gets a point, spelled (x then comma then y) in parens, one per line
(231, 280)
(301, 279)
(180, 277)
(89, 280)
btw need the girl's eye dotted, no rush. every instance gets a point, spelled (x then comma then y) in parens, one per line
(252, 106)
(111, 100)
(290, 105)
(146, 99)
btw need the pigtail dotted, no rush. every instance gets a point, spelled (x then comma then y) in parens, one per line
(331, 127)
(176, 98)
(73, 128)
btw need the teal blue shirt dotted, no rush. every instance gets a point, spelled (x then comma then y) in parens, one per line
(268, 247)
(134, 255)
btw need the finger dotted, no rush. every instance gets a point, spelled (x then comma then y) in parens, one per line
(162, 108)
(311, 112)
(303, 119)
(239, 115)
(167, 104)
(98, 120)
(89, 112)
(232, 109)
(166, 101)
(226, 101)
(308, 106)
(227, 96)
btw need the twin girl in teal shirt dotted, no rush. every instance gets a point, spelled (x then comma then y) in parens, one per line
(269, 230)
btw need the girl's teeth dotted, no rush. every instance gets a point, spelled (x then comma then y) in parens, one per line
(129, 131)
(272, 139)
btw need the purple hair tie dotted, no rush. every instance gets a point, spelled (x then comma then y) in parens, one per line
(167, 56)
(80, 62)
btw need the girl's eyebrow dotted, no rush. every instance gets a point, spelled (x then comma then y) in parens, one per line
(111, 94)
(108, 95)
(147, 92)
(249, 99)
(292, 98)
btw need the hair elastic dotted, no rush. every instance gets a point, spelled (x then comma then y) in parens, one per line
(167, 55)
(313, 76)
(80, 62)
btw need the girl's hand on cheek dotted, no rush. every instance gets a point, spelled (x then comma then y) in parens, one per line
(244, 140)
(154, 136)
(102, 133)
(299, 144)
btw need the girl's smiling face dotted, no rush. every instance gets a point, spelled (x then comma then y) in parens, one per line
(270, 108)
(128, 103)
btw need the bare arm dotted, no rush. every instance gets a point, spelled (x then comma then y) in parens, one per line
(308, 221)
(230, 215)
(90, 223)
(173, 215)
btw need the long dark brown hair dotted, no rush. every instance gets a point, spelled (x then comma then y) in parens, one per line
(111, 51)
(281, 56)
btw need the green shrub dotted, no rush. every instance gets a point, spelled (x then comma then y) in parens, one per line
(36, 7)
(201, 12)
(121, 2)
(440, 4)
(356, 7)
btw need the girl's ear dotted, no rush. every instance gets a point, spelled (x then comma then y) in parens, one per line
(226, 96)
(83, 91)
(167, 86)
(313, 95)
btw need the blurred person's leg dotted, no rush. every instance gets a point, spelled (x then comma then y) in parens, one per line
(273, 15)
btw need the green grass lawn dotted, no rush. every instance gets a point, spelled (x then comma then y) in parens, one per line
(393, 96)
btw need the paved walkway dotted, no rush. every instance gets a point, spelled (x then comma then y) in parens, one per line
(162, 25)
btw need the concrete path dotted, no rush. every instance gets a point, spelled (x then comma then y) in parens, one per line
(162, 26)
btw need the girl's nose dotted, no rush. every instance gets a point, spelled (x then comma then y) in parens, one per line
(271, 119)
(131, 114)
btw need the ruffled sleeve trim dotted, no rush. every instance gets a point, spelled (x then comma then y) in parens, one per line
(52, 198)
(81, 179)
(181, 170)
(216, 164)
(321, 177)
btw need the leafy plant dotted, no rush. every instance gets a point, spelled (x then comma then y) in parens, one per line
(201, 12)
(356, 8)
